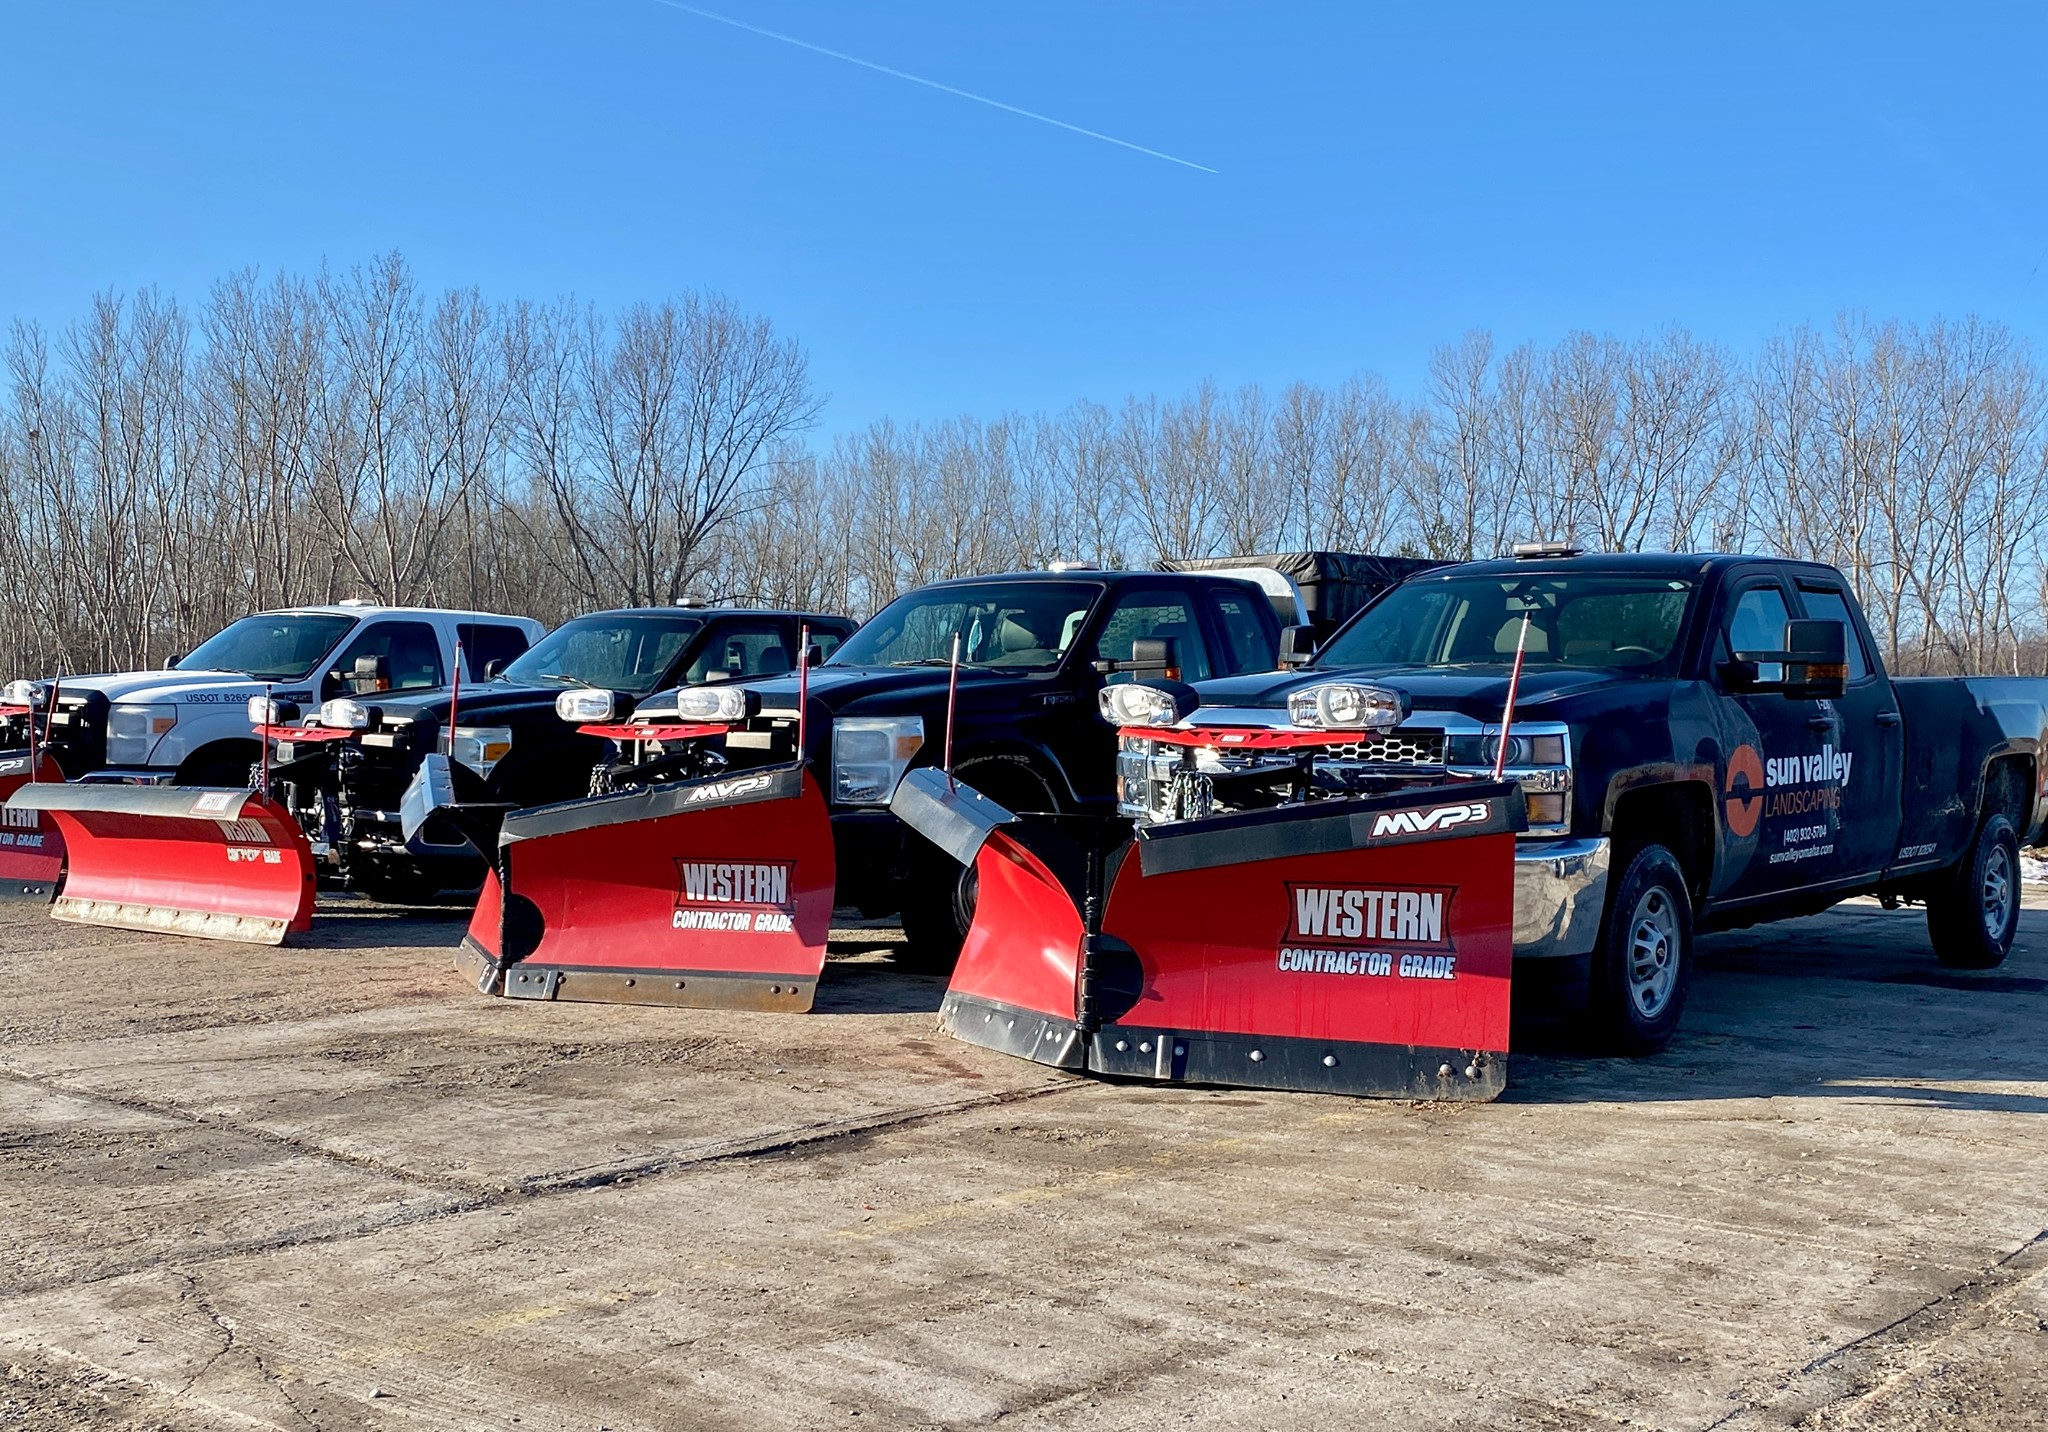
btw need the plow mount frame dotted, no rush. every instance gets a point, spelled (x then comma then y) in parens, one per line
(620, 922)
(219, 863)
(1084, 924)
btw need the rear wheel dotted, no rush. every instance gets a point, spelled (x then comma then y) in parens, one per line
(1973, 914)
(1642, 967)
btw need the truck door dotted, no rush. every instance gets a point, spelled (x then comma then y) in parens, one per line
(1773, 828)
(1870, 734)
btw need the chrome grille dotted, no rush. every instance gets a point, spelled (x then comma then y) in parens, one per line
(1394, 748)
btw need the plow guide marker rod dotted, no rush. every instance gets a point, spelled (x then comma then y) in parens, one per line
(1360, 947)
(225, 864)
(712, 893)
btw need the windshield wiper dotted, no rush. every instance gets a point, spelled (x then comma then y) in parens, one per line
(930, 661)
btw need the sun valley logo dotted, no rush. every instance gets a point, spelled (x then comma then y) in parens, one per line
(750, 896)
(1421, 822)
(1339, 930)
(1807, 785)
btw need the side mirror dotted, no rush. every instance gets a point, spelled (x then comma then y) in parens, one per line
(171, 661)
(1297, 645)
(1816, 659)
(814, 656)
(1150, 656)
(370, 673)
(494, 668)
(1814, 666)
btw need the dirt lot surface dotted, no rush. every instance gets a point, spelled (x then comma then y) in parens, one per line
(332, 1187)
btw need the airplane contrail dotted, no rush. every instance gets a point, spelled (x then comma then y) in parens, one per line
(932, 84)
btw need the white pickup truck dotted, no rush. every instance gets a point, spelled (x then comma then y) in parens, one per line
(188, 724)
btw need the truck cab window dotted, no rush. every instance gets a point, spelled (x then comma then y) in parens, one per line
(411, 652)
(1247, 643)
(486, 642)
(1141, 616)
(739, 649)
(1757, 620)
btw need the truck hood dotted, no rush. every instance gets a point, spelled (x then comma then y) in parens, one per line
(879, 690)
(1476, 691)
(184, 688)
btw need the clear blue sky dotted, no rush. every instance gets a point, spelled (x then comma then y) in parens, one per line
(1388, 176)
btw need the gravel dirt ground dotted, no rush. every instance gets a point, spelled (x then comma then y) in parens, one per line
(330, 1186)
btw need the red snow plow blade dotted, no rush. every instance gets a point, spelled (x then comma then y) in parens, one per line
(31, 847)
(225, 864)
(1358, 947)
(713, 893)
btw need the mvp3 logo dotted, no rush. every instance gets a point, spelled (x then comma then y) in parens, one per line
(1430, 821)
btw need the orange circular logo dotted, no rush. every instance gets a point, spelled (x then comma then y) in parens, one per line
(1744, 805)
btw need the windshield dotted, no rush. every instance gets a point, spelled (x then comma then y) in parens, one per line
(1017, 626)
(618, 653)
(277, 647)
(1630, 623)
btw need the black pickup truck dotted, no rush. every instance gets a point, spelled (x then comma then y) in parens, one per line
(1033, 651)
(1703, 742)
(344, 769)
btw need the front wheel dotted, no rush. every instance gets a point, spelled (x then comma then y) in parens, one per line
(1642, 966)
(938, 906)
(1973, 914)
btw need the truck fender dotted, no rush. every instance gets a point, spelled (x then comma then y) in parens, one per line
(1644, 793)
(1038, 761)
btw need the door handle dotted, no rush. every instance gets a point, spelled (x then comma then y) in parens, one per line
(1887, 718)
(1820, 723)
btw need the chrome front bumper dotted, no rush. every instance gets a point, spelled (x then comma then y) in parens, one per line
(1560, 891)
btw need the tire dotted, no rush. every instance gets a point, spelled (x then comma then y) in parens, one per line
(1973, 914)
(938, 893)
(938, 906)
(398, 885)
(1642, 967)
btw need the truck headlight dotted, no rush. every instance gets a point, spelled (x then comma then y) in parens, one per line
(587, 704)
(870, 755)
(269, 711)
(1348, 706)
(345, 715)
(724, 704)
(25, 693)
(480, 747)
(133, 731)
(1135, 703)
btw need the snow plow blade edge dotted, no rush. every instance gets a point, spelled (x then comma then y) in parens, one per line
(713, 894)
(221, 864)
(1360, 947)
